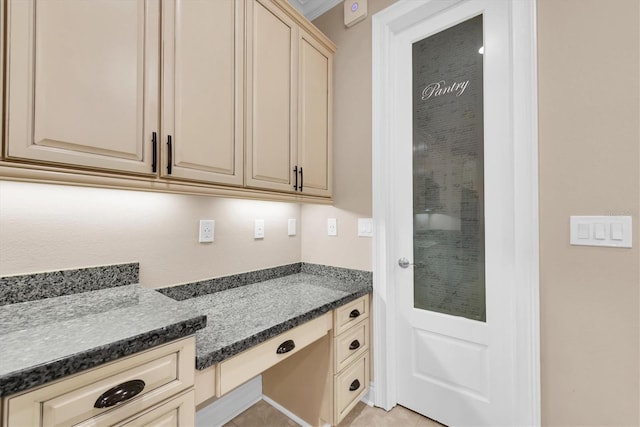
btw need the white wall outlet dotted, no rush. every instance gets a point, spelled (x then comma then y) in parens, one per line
(258, 229)
(332, 227)
(291, 227)
(365, 227)
(207, 227)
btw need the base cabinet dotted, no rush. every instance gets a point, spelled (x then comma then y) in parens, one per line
(163, 378)
(325, 380)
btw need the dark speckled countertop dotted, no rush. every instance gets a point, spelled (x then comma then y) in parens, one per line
(55, 336)
(50, 338)
(240, 318)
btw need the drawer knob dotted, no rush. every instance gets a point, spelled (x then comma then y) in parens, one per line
(119, 393)
(354, 385)
(355, 344)
(286, 347)
(354, 313)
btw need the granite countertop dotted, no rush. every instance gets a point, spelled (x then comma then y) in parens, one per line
(47, 334)
(240, 318)
(50, 338)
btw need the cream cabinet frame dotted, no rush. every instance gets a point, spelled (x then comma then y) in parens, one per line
(166, 370)
(150, 98)
(289, 92)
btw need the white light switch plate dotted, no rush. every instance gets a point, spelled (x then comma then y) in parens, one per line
(610, 231)
(365, 227)
(291, 227)
(258, 229)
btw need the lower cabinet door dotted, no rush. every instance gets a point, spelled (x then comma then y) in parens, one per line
(350, 385)
(177, 412)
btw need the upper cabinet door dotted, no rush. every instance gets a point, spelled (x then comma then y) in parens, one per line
(82, 82)
(203, 90)
(314, 112)
(271, 97)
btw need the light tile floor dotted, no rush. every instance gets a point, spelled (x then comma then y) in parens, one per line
(264, 415)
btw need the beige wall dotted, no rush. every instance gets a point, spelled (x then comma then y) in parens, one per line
(589, 163)
(589, 56)
(352, 148)
(50, 227)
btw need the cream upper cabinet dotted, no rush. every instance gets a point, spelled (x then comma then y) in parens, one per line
(288, 92)
(202, 102)
(82, 82)
(314, 112)
(271, 96)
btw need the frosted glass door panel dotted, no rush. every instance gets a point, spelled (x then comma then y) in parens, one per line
(448, 172)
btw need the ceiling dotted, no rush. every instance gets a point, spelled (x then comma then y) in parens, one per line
(313, 8)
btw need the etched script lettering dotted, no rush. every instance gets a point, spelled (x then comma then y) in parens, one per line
(441, 88)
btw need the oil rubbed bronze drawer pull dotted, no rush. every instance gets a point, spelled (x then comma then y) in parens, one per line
(119, 393)
(286, 347)
(354, 313)
(354, 385)
(355, 344)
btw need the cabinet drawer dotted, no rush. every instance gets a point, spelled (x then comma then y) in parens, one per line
(177, 412)
(165, 371)
(350, 386)
(350, 314)
(351, 344)
(246, 365)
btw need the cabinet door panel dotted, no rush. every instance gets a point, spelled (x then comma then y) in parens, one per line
(271, 102)
(83, 82)
(203, 77)
(314, 140)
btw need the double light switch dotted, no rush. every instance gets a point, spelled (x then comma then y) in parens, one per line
(612, 231)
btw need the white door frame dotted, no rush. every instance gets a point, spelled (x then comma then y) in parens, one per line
(524, 131)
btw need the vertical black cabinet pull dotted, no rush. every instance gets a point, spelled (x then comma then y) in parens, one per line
(154, 147)
(170, 155)
(354, 314)
(295, 173)
(119, 393)
(355, 344)
(354, 385)
(301, 178)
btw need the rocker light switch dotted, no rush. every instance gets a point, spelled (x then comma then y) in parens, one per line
(612, 231)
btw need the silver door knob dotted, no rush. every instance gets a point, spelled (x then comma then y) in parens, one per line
(404, 263)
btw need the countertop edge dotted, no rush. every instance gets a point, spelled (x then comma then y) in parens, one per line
(217, 356)
(31, 377)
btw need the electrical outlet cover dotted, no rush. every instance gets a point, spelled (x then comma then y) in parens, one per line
(207, 228)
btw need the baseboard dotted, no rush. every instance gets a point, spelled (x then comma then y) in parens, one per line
(368, 398)
(230, 405)
(286, 412)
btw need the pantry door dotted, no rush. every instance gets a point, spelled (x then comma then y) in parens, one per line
(453, 243)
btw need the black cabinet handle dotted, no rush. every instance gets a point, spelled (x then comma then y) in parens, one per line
(354, 385)
(154, 147)
(286, 347)
(355, 344)
(119, 393)
(354, 314)
(295, 173)
(170, 155)
(301, 178)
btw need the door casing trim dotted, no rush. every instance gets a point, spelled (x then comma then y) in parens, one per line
(386, 24)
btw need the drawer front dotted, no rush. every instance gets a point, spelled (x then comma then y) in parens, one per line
(177, 412)
(351, 344)
(165, 371)
(350, 314)
(350, 386)
(246, 365)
